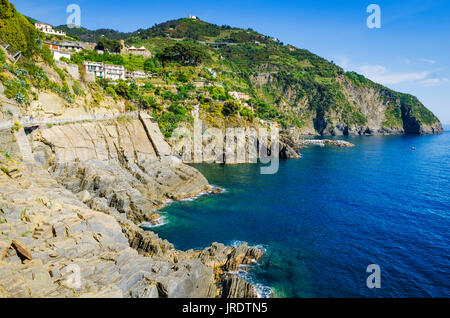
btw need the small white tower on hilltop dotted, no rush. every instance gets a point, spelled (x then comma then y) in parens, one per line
(193, 17)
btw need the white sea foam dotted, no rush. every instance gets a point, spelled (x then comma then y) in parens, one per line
(217, 187)
(214, 188)
(160, 222)
(237, 243)
(262, 291)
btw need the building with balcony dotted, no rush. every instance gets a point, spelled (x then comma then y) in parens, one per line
(108, 71)
(48, 29)
(136, 74)
(114, 72)
(94, 68)
(135, 50)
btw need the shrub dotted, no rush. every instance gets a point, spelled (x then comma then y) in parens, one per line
(76, 87)
(2, 57)
(16, 30)
(230, 108)
(133, 91)
(149, 102)
(17, 89)
(47, 55)
(16, 126)
(111, 92)
(177, 109)
(130, 107)
(61, 73)
(168, 121)
(247, 113)
(122, 89)
(152, 65)
(218, 93)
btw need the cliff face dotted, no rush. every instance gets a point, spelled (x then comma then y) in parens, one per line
(72, 197)
(117, 162)
(349, 106)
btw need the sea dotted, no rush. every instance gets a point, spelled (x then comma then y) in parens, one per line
(323, 219)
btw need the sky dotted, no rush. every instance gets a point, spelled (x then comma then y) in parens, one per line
(409, 53)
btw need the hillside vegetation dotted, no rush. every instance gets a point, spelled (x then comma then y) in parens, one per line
(196, 64)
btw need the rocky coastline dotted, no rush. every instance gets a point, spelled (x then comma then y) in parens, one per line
(72, 199)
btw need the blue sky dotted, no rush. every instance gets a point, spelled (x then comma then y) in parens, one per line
(410, 53)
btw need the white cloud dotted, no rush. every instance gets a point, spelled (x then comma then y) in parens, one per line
(342, 61)
(428, 61)
(380, 74)
(434, 81)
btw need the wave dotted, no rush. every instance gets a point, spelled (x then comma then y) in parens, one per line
(263, 291)
(214, 190)
(237, 243)
(162, 220)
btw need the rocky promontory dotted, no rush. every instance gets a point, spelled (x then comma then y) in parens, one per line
(72, 199)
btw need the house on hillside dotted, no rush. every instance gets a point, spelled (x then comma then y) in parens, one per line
(134, 50)
(48, 29)
(63, 49)
(136, 75)
(57, 55)
(94, 68)
(139, 51)
(240, 96)
(114, 72)
(64, 45)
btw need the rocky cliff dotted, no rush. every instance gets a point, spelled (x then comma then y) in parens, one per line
(72, 197)
(347, 104)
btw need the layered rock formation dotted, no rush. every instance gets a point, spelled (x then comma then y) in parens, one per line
(349, 105)
(123, 164)
(231, 145)
(69, 219)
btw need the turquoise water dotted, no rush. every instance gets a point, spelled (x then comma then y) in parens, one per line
(325, 217)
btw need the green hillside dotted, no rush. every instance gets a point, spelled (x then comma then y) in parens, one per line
(301, 86)
(197, 63)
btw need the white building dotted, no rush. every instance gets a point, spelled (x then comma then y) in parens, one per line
(108, 71)
(114, 72)
(57, 55)
(48, 29)
(137, 74)
(138, 51)
(240, 96)
(94, 68)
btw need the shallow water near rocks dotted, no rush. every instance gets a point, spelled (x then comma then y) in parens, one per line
(325, 217)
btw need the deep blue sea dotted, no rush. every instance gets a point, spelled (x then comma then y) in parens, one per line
(325, 217)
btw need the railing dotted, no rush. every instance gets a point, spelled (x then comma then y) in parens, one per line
(13, 55)
(29, 121)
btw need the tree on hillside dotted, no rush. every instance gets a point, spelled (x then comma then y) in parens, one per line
(105, 44)
(184, 53)
(16, 30)
(230, 108)
(152, 65)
